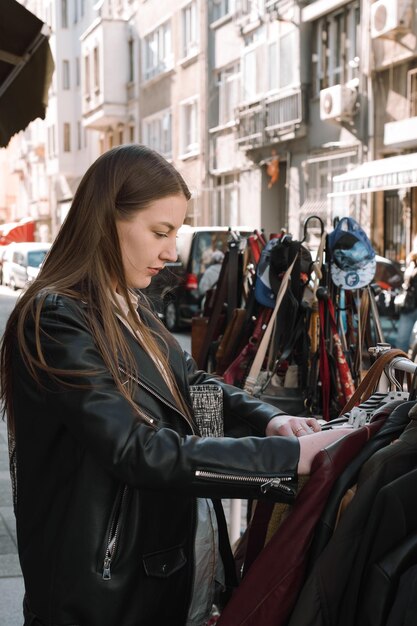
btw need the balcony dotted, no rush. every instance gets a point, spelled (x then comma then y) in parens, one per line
(401, 134)
(104, 50)
(251, 124)
(276, 118)
(249, 14)
(284, 113)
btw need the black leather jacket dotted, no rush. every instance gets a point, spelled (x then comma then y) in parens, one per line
(106, 503)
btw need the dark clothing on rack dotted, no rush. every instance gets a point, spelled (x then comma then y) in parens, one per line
(329, 597)
(269, 589)
(394, 423)
(404, 609)
(391, 530)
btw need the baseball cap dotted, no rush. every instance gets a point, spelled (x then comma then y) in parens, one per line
(352, 258)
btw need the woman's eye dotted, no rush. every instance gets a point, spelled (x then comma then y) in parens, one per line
(161, 234)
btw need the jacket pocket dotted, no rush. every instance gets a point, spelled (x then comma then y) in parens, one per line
(164, 563)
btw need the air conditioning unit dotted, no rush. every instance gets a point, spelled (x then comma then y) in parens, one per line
(389, 17)
(337, 102)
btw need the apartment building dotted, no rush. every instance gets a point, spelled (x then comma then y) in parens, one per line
(290, 111)
(388, 180)
(273, 110)
(173, 89)
(50, 156)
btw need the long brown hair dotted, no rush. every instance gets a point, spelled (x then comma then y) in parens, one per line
(85, 259)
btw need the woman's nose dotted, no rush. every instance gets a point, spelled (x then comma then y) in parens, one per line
(169, 253)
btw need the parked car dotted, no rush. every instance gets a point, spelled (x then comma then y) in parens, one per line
(174, 291)
(3, 250)
(22, 261)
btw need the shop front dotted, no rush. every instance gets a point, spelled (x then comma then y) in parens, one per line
(393, 184)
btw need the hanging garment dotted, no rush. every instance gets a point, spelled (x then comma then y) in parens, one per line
(381, 579)
(404, 609)
(330, 593)
(395, 417)
(268, 591)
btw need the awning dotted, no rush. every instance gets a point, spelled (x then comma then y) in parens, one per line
(17, 231)
(26, 68)
(398, 172)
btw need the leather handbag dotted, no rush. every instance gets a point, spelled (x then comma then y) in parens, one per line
(208, 409)
(230, 339)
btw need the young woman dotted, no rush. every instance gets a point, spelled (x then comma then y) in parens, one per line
(119, 520)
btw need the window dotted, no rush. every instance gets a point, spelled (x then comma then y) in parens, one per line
(190, 36)
(132, 134)
(158, 57)
(189, 127)
(67, 137)
(77, 71)
(87, 90)
(412, 91)
(157, 132)
(283, 60)
(336, 48)
(225, 205)
(65, 74)
(64, 14)
(51, 141)
(288, 59)
(131, 55)
(96, 58)
(254, 64)
(321, 171)
(75, 11)
(220, 8)
(79, 135)
(229, 93)
(253, 67)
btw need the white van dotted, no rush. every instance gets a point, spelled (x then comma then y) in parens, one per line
(22, 261)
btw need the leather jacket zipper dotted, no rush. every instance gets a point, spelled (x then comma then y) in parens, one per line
(265, 483)
(159, 397)
(113, 537)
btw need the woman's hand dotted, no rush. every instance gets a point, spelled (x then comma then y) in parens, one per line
(312, 444)
(285, 425)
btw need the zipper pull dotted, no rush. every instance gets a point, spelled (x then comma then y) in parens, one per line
(273, 482)
(106, 568)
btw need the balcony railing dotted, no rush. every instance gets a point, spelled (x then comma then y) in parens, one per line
(283, 111)
(268, 119)
(250, 131)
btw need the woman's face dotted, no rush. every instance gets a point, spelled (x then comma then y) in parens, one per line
(148, 240)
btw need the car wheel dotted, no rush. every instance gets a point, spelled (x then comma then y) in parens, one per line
(12, 283)
(171, 316)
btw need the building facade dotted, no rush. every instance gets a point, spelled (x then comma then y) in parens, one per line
(273, 110)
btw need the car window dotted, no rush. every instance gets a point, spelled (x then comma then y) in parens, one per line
(36, 257)
(205, 243)
(388, 274)
(18, 258)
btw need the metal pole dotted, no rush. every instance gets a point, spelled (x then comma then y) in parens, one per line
(235, 520)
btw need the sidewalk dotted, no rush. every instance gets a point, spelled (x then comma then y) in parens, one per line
(11, 581)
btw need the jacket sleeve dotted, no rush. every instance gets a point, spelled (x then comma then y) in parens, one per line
(106, 427)
(244, 415)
